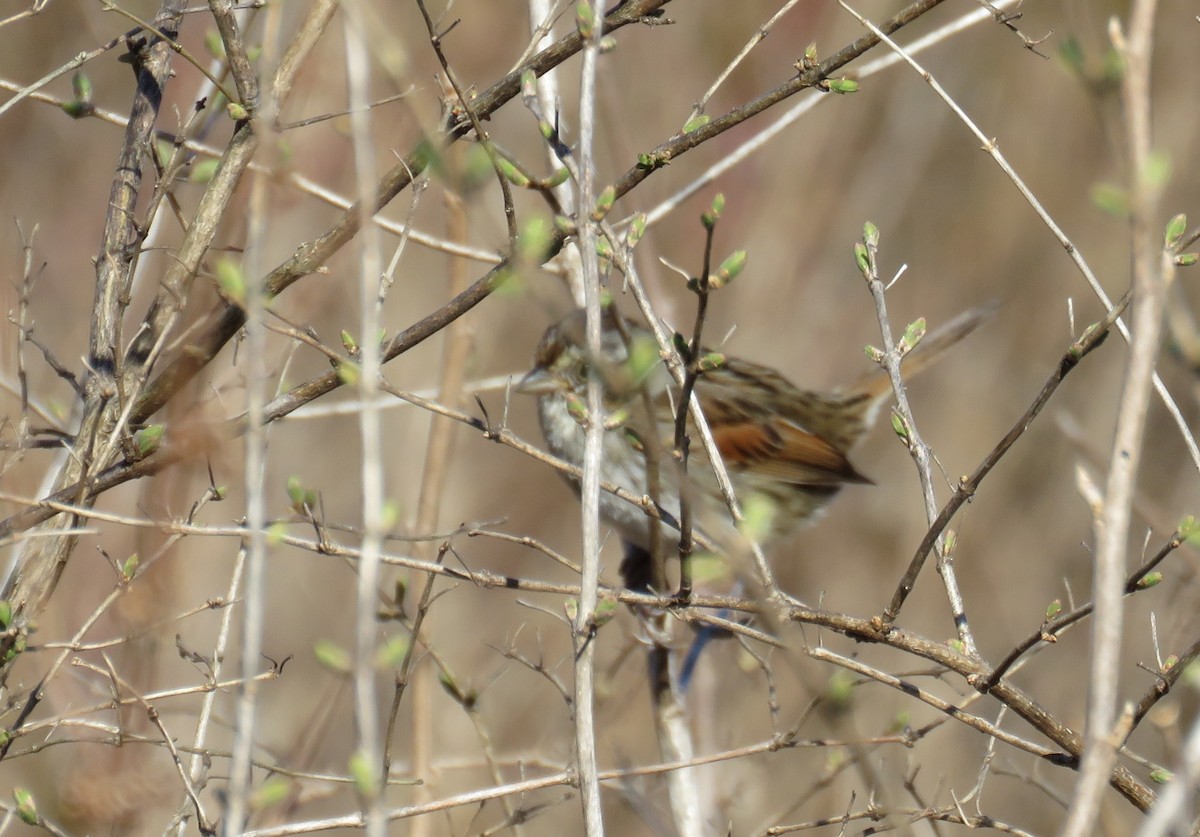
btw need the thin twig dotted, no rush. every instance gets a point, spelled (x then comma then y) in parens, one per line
(1091, 338)
(1153, 268)
(370, 266)
(583, 631)
(906, 427)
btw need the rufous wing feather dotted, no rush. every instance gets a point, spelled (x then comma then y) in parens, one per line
(781, 450)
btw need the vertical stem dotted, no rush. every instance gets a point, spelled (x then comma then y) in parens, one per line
(433, 481)
(584, 628)
(371, 780)
(1152, 269)
(682, 442)
(254, 610)
(255, 544)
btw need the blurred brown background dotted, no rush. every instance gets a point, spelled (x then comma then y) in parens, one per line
(891, 153)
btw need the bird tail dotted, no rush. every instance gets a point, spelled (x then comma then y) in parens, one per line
(876, 385)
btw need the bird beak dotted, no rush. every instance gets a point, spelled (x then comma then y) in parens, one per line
(537, 381)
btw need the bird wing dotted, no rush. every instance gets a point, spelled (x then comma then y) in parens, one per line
(780, 449)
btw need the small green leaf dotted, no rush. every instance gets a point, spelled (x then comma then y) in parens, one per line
(203, 170)
(365, 775)
(276, 532)
(348, 342)
(557, 178)
(839, 691)
(148, 438)
(426, 155)
(1157, 170)
(810, 56)
(511, 173)
(707, 567)
(237, 111)
(617, 418)
(214, 44)
(637, 229)
(528, 83)
(697, 122)
(949, 542)
(5, 614)
(710, 218)
(643, 358)
(604, 203)
(585, 19)
(912, 335)
(508, 283)
(231, 281)
(77, 110)
(565, 225)
(16, 649)
(164, 150)
(295, 492)
(862, 259)
(219, 492)
(607, 44)
(842, 85)
(729, 270)
(758, 516)
(347, 373)
(391, 653)
(272, 791)
(1160, 776)
(1188, 529)
(389, 514)
(1150, 579)
(710, 361)
(898, 425)
(870, 234)
(81, 86)
(577, 409)
(476, 170)
(332, 656)
(645, 161)
(129, 567)
(533, 241)
(1186, 259)
(1053, 609)
(571, 608)
(26, 809)
(1111, 199)
(1176, 227)
(1071, 54)
(873, 353)
(606, 610)
(1170, 662)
